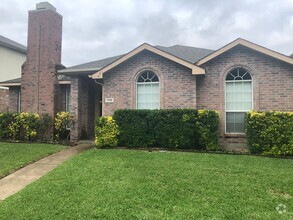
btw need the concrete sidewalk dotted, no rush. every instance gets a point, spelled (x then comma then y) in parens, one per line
(18, 180)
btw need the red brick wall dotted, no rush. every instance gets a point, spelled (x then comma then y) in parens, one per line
(84, 93)
(272, 81)
(177, 84)
(39, 83)
(4, 100)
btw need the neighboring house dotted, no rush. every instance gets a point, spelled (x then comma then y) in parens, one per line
(234, 79)
(12, 56)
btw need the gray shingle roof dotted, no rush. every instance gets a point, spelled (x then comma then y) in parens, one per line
(17, 80)
(189, 54)
(95, 64)
(12, 44)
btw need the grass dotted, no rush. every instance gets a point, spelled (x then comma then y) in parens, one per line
(16, 155)
(130, 184)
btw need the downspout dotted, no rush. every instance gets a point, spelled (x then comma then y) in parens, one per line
(99, 83)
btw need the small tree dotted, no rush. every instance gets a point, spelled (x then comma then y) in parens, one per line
(63, 123)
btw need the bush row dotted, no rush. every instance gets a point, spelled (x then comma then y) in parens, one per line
(31, 126)
(270, 133)
(175, 128)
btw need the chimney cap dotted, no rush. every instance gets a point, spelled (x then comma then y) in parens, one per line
(45, 6)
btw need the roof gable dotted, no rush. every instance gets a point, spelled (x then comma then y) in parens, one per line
(195, 69)
(248, 44)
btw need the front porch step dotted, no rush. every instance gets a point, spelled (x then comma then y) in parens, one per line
(86, 142)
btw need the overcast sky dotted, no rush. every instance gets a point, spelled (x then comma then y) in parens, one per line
(96, 29)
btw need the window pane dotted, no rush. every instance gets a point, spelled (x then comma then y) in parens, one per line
(230, 97)
(246, 86)
(140, 88)
(156, 105)
(238, 106)
(235, 122)
(148, 88)
(239, 128)
(247, 96)
(230, 117)
(239, 117)
(230, 87)
(141, 97)
(155, 88)
(246, 105)
(238, 96)
(230, 106)
(148, 98)
(148, 105)
(140, 105)
(156, 97)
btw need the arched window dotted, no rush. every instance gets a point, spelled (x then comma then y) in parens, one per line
(238, 99)
(148, 91)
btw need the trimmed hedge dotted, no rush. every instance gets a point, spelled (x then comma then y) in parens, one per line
(270, 133)
(175, 128)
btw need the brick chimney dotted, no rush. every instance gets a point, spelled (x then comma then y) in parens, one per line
(39, 83)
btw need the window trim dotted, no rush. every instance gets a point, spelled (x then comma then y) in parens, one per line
(225, 100)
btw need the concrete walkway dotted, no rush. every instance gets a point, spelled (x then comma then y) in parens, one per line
(20, 179)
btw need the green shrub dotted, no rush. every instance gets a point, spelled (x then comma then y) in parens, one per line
(270, 133)
(63, 121)
(106, 132)
(5, 119)
(172, 128)
(207, 129)
(24, 126)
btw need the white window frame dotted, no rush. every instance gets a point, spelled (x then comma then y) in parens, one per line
(68, 99)
(236, 111)
(144, 83)
(19, 100)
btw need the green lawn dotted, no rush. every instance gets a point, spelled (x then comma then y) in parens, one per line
(16, 155)
(131, 184)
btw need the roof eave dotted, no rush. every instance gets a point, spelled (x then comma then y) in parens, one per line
(9, 84)
(77, 71)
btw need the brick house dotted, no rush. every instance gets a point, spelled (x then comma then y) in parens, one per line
(234, 79)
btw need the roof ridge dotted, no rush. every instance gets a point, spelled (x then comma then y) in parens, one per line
(180, 45)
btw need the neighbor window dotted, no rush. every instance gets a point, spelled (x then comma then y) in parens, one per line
(238, 99)
(148, 91)
(67, 99)
(19, 100)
